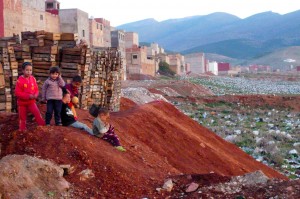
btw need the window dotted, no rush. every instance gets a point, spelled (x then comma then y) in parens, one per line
(134, 56)
(83, 33)
(97, 26)
(41, 17)
(50, 5)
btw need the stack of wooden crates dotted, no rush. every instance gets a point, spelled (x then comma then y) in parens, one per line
(8, 74)
(105, 81)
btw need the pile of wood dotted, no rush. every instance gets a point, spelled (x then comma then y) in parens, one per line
(76, 61)
(8, 74)
(44, 50)
(105, 81)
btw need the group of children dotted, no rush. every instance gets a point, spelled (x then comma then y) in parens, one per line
(61, 99)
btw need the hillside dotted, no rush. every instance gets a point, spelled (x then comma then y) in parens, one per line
(160, 142)
(222, 33)
(276, 58)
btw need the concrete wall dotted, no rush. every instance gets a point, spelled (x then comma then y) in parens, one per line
(33, 12)
(96, 33)
(75, 21)
(12, 17)
(196, 61)
(131, 39)
(52, 23)
(38, 5)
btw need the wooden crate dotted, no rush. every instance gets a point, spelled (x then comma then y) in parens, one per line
(69, 37)
(52, 36)
(45, 50)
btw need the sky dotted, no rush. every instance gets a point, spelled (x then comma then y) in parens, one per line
(119, 12)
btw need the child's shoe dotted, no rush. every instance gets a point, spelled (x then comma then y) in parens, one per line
(120, 148)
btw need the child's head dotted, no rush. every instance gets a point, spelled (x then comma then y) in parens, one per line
(54, 72)
(66, 96)
(103, 114)
(27, 69)
(76, 81)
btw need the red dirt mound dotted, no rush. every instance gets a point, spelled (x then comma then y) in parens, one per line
(160, 141)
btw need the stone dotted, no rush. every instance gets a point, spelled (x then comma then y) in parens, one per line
(168, 185)
(31, 176)
(192, 187)
(294, 151)
(86, 174)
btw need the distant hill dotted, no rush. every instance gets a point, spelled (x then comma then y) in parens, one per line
(278, 59)
(222, 33)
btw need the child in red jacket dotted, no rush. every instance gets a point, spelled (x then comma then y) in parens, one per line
(27, 92)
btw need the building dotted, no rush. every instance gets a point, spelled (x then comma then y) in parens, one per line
(75, 21)
(187, 68)
(52, 6)
(213, 67)
(106, 31)
(223, 67)
(26, 15)
(298, 68)
(131, 39)
(118, 41)
(259, 68)
(138, 63)
(96, 34)
(196, 61)
(177, 63)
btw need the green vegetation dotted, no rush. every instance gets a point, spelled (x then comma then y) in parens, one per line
(164, 69)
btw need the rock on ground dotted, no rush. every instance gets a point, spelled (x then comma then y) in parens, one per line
(23, 176)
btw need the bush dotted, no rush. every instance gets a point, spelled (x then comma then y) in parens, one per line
(164, 69)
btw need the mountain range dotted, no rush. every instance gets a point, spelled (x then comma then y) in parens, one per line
(223, 34)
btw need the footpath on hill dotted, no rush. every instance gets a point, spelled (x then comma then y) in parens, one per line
(161, 142)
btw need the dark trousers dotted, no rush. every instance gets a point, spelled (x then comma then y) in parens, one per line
(53, 105)
(111, 137)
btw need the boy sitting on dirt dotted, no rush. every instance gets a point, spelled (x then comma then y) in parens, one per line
(67, 116)
(104, 130)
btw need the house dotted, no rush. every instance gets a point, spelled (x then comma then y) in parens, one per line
(96, 33)
(213, 67)
(26, 15)
(138, 62)
(131, 39)
(177, 63)
(197, 62)
(75, 21)
(118, 41)
(106, 28)
(223, 68)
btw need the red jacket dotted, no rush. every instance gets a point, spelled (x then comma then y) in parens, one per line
(24, 88)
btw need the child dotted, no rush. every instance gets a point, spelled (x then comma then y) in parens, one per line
(104, 130)
(73, 87)
(27, 92)
(52, 92)
(73, 90)
(67, 117)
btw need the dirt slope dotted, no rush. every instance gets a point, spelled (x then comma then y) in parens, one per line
(160, 141)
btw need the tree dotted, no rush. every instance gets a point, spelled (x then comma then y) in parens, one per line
(164, 69)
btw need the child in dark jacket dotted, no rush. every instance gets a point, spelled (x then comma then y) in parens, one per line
(52, 93)
(67, 117)
(104, 130)
(27, 92)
